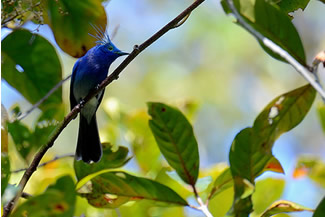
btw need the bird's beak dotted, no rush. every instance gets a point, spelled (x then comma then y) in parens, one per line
(122, 53)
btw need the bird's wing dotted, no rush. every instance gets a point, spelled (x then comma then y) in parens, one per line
(73, 101)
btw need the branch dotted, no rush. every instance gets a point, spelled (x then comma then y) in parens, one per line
(43, 99)
(45, 163)
(203, 207)
(277, 49)
(74, 112)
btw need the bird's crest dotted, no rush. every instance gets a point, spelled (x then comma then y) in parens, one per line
(101, 35)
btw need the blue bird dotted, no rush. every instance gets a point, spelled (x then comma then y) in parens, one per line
(88, 72)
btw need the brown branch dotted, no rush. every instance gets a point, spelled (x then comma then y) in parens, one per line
(74, 112)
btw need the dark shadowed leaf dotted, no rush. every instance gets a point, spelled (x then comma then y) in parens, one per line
(31, 65)
(110, 159)
(72, 20)
(292, 5)
(284, 206)
(320, 210)
(57, 201)
(5, 171)
(175, 138)
(251, 151)
(119, 187)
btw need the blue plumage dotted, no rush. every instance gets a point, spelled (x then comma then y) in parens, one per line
(88, 72)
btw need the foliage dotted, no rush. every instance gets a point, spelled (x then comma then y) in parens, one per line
(163, 175)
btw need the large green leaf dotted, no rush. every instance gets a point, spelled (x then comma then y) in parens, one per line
(5, 171)
(110, 159)
(320, 210)
(284, 206)
(72, 20)
(57, 201)
(112, 189)
(31, 65)
(251, 151)
(273, 23)
(176, 140)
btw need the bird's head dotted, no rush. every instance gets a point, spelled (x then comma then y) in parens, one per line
(105, 44)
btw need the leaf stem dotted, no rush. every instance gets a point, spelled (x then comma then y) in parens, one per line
(73, 113)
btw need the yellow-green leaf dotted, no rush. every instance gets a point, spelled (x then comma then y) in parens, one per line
(284, 206)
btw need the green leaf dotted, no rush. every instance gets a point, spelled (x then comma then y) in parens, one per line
(175, 138)
(110, 159)
(28, 140)
(284, 113)
(120, 187)
(22, 137)
(223, 182)
(269, 20)
(267, 191)
(57, 201)
(72, 20)
(284, 206)
(292, 5)
(320, 210)
(31, 65)
(251, 150)
(5, 171)
(321, 114)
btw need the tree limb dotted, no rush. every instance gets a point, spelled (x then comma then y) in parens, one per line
(74, 112)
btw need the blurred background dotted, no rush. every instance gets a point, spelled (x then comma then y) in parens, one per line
(211, 69)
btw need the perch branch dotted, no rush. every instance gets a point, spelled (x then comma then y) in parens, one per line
(74, 112)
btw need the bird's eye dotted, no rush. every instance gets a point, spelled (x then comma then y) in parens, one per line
(110, 48)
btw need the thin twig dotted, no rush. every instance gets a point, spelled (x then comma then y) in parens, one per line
(113, 76)
(277, 49)
(45, 163)
(57, 86)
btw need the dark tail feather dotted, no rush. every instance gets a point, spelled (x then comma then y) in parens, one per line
(89, 147)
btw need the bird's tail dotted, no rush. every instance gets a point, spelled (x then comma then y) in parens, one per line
(89, 147)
